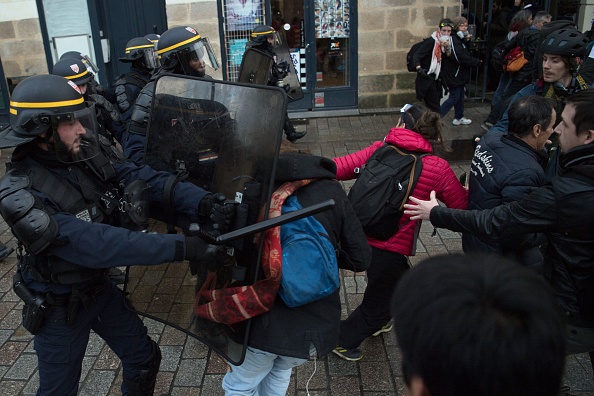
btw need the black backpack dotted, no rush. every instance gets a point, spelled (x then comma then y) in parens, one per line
(382, 188)
(410, 54)
(498, 55)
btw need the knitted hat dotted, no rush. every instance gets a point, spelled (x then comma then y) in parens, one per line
(459, 20)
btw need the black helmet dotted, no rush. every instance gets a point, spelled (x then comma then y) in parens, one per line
(36, 103)
(154, 37)
(141, 49)
(84, 58)
(565, 42)
(73, 70)
(262, 33)
(179, 46)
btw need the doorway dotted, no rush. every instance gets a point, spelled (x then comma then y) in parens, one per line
(322, 41)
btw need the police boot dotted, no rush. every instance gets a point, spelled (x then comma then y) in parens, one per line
(5, 251)
(292, 134)
(144, 385)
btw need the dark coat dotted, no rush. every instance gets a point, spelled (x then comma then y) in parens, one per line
(562, 209)
(455, 68)
(423, 57)
(505, 169)
(529, 40)
(290, 331)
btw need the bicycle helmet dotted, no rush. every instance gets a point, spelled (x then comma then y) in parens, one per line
(565, 42)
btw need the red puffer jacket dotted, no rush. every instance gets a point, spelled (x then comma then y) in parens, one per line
(436, 175)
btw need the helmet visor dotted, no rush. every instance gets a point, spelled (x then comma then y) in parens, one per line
(201, 50)
(74, 137)
(89, 64)
(151, 59)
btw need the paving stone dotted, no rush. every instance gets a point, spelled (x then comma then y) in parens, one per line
(97, 382)
(10, 351)
(22, 368)
(190, 372)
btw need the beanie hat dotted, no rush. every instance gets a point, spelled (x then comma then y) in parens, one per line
(459, 20)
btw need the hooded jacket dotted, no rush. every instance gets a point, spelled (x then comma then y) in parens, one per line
(436, 175)
(562, 209)
(456, 67)
(290, 331)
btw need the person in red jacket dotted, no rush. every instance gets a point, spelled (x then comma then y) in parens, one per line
(417, 128)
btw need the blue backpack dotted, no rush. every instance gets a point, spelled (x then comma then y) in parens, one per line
(310, 267)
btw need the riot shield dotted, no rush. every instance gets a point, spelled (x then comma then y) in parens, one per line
(256, 67)
(226, 136)
(291, 81)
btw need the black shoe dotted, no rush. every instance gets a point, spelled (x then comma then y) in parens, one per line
(352, 355)
(5, 251)
(294, 136)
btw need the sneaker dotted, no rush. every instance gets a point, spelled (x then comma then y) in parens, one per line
(294, 136)
(461, 121)
(352, 355)
(384, 329)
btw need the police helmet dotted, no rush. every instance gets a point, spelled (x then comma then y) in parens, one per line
(154, 37)
(84, 58)
(73, 70)
(569, 43)
(262, 33)
(179, 46)
(39, 104)
(141, 49)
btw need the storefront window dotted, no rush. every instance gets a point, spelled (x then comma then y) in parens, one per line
(332, 30)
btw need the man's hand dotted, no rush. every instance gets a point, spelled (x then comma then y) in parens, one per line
(203, 253)
(213, 207)
(422, 209)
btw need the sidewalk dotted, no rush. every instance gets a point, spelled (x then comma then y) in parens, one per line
(190, 368)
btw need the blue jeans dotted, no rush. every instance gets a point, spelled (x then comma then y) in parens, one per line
(261, 374)
(456, 100)
(61, 347)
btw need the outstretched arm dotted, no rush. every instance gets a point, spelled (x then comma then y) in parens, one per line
(421, 210)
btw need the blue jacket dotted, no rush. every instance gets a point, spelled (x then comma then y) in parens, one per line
(100, 246)
(505, 169)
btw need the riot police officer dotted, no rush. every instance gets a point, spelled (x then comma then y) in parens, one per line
(264, 38)
(154, 37)
(91, 67)
(142, 55)
(109, 118)
(182, 50)
(65, 198)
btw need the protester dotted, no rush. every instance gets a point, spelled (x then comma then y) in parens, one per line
(417, 129)
(286, 337)
(427, 60)
(477, 325)
(508, 166)
(561, 210)
(456, 71)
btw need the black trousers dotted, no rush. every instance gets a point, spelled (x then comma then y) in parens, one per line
(385, 271)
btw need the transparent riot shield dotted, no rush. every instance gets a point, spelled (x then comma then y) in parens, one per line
(226, 137)
(256, 67)
(291, 82)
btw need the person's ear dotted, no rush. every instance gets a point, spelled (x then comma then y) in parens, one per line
(589, 137)
(536, 130)
(417, 387)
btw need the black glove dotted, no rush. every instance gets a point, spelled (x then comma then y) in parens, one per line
(213, 207)
(422, 72)
(202, 253)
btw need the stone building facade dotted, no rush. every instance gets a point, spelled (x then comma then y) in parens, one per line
(386, 30)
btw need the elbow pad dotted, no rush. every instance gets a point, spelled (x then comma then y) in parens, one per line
(27, 217)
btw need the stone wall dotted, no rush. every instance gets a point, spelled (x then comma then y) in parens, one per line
(21, 48)
(203, 17)
(387, 30)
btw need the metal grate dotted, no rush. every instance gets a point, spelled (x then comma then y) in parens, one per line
(240, 17)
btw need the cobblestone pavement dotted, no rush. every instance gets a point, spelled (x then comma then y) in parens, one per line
(190, 368)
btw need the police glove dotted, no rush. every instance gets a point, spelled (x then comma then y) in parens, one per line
(213, 207)
(422, 72)
(202, 253)
(106, 108)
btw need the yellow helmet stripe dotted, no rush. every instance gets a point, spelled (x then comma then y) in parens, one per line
(77, 75)
(178, 44)
(40, 105)
(139, 47)
(256, 34)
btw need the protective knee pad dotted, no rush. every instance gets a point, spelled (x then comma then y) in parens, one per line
(144, 385)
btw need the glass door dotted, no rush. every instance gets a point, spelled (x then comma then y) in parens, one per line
(319, 34)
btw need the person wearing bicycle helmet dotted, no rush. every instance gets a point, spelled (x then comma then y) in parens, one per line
(563, 54)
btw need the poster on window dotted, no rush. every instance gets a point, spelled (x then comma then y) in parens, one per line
(332, 18)
(243, 14)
